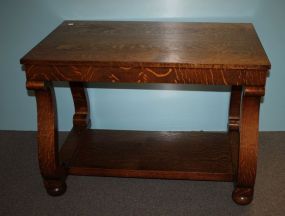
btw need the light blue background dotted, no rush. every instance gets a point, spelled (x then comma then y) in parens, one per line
(24, 23)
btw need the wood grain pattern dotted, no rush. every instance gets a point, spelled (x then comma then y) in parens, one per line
(152, 44)
(36, 85)
(247, 162)
(234, 125)
(234, 108)
(81, 117)
(170, 155)
(174, 75)
(53, 174)
(150, 52)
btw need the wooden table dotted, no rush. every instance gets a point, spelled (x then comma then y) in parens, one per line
(79, 52)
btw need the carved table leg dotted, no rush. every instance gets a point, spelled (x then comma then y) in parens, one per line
(81, 118)
(243, 193)
(53, 174)
(234, 111)
(233, 124)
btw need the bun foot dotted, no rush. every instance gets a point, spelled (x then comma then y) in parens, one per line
(242, 196)
(55, 187)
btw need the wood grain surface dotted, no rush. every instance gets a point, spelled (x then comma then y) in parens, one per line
(81, 117)
(170, 155)
(52, 172)
(84, 73)
(248, 146)
(150, 52)
(152, 44)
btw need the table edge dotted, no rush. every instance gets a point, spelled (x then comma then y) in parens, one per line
(145, 64)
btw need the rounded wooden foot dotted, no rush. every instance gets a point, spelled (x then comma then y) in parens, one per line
(242, 196)
(55, 187)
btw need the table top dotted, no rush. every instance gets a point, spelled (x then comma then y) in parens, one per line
(151, 44)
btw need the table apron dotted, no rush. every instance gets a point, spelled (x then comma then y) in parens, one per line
(89, 73)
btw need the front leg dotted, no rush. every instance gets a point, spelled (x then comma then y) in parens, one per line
(52, 172)
(247, 161)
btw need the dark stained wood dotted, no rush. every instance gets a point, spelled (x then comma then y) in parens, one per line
(53, 174)
(234, 124)
(247, 163)
(234, 108)
(150, 52)
(81, 117)
(36, 85)
(152, 44)
(234, 137)
(171, 155)
(90, 73)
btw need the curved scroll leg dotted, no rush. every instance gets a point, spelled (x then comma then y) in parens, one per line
(233, 124)
(53, 174)
(81, 117)
(243, 193)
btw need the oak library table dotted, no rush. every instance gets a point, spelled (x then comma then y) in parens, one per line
(79, 52)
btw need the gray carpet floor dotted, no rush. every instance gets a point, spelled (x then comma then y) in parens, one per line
(22, 192)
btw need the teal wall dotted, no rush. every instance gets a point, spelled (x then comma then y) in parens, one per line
(24, 23)
(269, 22)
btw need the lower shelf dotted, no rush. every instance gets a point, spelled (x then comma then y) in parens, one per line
(167, 155)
